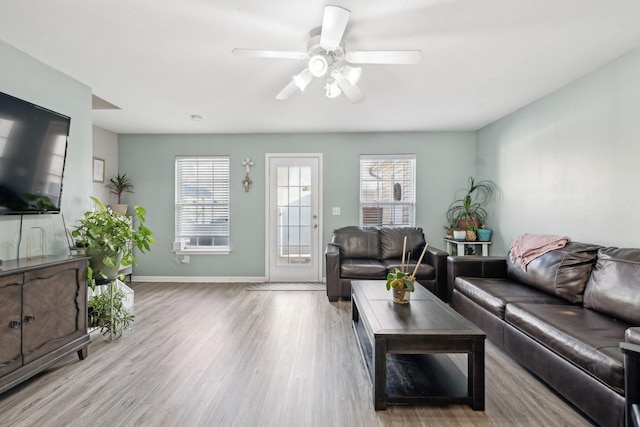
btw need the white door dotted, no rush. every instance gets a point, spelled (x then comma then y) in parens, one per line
(293, 223)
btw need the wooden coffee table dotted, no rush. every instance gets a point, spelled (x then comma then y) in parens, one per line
(404, 348)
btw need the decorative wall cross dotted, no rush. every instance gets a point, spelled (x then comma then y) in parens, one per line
(246, 182)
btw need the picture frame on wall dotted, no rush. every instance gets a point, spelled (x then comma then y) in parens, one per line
(98, 170)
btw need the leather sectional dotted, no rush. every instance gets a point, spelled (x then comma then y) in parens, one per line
(370, 253)
(563, 318)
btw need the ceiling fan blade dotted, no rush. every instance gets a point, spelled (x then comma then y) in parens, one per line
(352, 92)
(288, 90)
(276, 54)
(384, 57)
(334, 22)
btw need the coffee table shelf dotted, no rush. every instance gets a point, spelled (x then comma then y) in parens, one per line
(404, 348)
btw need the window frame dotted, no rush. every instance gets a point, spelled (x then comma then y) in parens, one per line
(384, 203)
(215, 179)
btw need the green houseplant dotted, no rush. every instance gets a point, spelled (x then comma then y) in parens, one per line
(402, 284)
(110, 239)
(469, 210)
(108, 312)
(118, 185)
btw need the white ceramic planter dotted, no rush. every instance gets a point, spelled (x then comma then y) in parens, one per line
(459, 235)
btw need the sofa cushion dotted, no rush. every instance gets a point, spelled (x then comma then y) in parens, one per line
(425, 271)
(586, 338)
(392, 241)
(362, 269)
(357, 242)
(561, 272)
(614, 285)
(494, 294)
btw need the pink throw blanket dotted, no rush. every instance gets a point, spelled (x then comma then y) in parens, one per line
(528, 247)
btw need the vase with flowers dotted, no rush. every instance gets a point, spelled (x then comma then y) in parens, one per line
(402, 283)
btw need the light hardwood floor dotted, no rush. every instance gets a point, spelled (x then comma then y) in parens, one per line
(217, 355)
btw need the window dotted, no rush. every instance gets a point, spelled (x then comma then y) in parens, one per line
(202, 203)
(387, 190)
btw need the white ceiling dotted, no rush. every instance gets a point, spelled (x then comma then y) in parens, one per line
(162, 61)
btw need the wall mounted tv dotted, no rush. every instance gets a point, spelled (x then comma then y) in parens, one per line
(33, 150)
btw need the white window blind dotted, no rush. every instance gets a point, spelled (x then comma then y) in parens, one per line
(202, 202)
(388, 190)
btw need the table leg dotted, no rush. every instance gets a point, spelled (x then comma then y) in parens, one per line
(475, 375)
(460, 249)
(379, 374)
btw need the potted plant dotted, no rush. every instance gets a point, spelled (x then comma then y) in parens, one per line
(450, 228)
(117, 185)
(470, 234)
(402, 284)
(459, 235)
(108, 312)
(110, 239)
(484, 233)
(468, 211)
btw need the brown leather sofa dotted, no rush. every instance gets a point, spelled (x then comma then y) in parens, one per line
(631, 382)
(370, 253)
(563, 318)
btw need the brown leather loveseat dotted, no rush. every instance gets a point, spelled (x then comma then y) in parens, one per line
(370, 253)
(564, 318)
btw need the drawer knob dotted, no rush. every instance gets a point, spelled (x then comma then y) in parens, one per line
(29, 318)
(14, 324)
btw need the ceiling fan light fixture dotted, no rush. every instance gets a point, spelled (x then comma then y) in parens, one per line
(303, 79)
(333, 91)
(318, 65)
(351, 74)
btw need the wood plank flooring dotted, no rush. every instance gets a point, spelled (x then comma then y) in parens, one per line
(217, 355)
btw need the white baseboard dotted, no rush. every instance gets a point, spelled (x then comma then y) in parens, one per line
(199, 279)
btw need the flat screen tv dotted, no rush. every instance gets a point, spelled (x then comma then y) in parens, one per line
(33, 150)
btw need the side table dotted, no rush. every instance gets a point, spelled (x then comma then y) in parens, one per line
(461, 244)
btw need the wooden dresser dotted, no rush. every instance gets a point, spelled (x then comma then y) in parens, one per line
(43, 315)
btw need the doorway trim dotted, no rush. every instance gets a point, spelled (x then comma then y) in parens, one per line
(268, 243)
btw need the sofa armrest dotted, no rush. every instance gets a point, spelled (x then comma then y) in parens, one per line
(474, 266)
(631, 382)
(632, 335)
(438, 259)
(332, 263)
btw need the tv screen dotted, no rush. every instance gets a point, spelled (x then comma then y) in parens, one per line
(33, 150)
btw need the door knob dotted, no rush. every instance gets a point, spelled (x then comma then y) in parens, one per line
(29, 318)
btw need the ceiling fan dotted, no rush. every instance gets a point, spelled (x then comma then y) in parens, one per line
(326, 58)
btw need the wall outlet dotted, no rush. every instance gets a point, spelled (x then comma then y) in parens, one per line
(186, 259)
(335, 211)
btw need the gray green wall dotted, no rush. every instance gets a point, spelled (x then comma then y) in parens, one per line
(569, 163)
(105, 147)
(444, 160)
(566, 164)
(24, 77)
